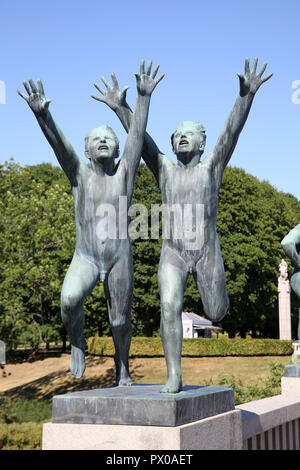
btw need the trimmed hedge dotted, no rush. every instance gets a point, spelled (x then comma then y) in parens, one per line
(206, 347)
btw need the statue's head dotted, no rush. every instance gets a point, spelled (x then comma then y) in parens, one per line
(188, 138)
(101, 144)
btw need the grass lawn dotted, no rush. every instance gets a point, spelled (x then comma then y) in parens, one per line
(48, 376)
(196, 371)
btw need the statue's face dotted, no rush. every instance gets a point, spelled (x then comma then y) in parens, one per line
(188, 139)
(102, 144)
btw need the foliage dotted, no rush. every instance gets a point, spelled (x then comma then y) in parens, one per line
(21, 436)
(208, 347)
(257, 391)
(22, 410)
(253, 218)
(146, 253)
(37, 237)
(21, 422)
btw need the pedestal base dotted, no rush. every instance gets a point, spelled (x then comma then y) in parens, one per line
(292, 370)
(141, 405)
(290, 382)
(221, 432)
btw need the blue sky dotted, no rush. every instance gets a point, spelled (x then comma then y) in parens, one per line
(200, 47)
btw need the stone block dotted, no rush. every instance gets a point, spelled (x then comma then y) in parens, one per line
(141, 405)
(290, 385)
(292, 370)
(221, 432)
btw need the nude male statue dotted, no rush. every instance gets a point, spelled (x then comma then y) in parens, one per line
(101, 183)
(190, 182)
(291, 247)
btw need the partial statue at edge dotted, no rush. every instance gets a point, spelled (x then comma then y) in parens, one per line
(283, 270)
(95, 186)
(190, 181)
(291, 247)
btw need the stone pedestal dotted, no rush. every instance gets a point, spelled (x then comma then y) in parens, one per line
(141, 405)
(284, 305)
(141, 418)
(221, 432)
(290, 382)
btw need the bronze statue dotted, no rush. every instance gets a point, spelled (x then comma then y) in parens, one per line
(194, 182)
(95, 186)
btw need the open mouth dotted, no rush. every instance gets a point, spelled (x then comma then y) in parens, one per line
(103, 147)
(183, 142)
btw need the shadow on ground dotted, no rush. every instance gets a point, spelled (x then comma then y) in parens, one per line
(61, 382)
(27, 355)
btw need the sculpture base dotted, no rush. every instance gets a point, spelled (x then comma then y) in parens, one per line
(221, 432)
(290, 382)
(292, 370)
(142, 405)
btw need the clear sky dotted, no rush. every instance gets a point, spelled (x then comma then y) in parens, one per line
(200, 46)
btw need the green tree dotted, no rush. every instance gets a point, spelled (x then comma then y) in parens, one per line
(146, 253)
(252, 220)
(37, 240)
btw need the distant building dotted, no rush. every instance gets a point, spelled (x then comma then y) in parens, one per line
(195, 326)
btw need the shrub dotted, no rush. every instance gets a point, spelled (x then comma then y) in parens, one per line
(20, 436)
(206, 347)
(22, 410)
(251, 392)
(21, 422)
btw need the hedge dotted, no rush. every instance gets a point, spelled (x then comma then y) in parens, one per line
(200, 347)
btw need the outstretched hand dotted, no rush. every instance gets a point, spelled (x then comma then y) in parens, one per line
(250, 82)
(36, 96)
(113, 96)
(146, 82)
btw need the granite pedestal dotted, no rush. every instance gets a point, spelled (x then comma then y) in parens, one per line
(220, 432)
(290, 382)
(141, 405)
(292, 370)
(141, 418)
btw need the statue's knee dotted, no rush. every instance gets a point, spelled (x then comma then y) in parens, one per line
(218, 310)
(116, 323)
(120, 321)
(170, 309)
(221, 312)
(70, 303)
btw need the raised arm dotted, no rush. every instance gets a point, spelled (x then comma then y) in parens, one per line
(289, 245)
(63, 150)
(146, 83)
(116, 100)
(249, 84)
